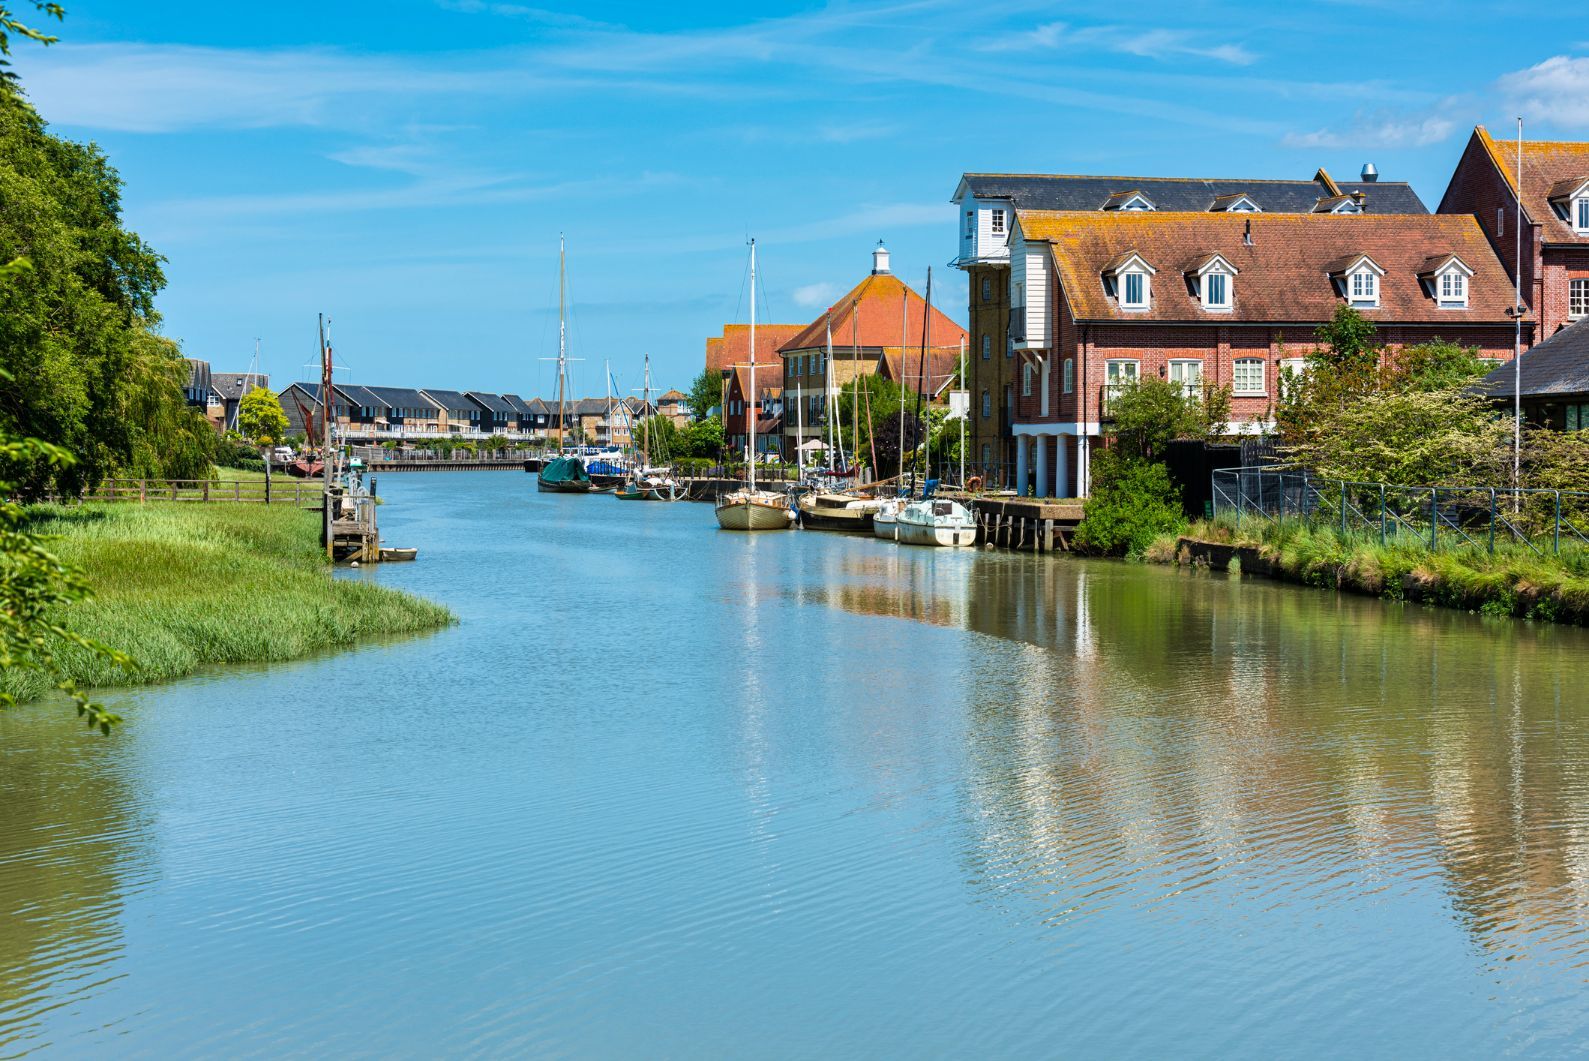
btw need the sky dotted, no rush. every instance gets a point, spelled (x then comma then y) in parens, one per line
(407, 167)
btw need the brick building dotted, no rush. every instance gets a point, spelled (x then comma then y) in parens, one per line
(986, 207)
(1102, 299)
(1555, 223)
(738, 409)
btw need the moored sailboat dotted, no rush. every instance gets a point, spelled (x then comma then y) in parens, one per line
(564, 474)
(646, 483)
(936, 522)
(837, 512)
(751, 509)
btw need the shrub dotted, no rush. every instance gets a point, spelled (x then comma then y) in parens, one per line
(1132, 503)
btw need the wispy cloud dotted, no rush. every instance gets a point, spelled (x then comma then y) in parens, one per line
(1377, 132)
(538, 15)
(818, 294)
(1125, 40)
(1555, 91)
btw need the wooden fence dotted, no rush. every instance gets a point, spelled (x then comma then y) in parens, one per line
(281, 490)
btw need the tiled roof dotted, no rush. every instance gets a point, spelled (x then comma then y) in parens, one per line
(236, 384)
(1283, 274)
(942, 362)
(583, 406)
(519, 405)
(1557, 366)
(871, 310)
(450, 400)
(198, 374)
(1183, 194)
(767, 378)
(402, 397)
(490, 402)
(672, 396)
(539, 407)
(733, 346)
(352, 394)
(1546, 165)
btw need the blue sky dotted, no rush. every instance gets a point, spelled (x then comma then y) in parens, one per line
(407, 166)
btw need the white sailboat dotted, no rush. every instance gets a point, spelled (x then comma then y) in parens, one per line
(935, 522)
(751, 509)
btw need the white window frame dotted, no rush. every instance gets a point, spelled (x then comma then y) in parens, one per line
(1369, 297)
(1578, 298)
(1179, 368)
(1580, 214)
(1237, 389)
(1451, 288)
(1068, 375)
(1026, 378)
(1229, 292)
(997, 222)
(1124, 280)
(987, 347)
(1117, 379)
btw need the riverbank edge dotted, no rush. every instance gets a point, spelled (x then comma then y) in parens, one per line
(1505, 584)
(182, 586)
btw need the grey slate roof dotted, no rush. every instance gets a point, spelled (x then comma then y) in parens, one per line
(360, 396)
(494, 403)
(538, 407)
(517, 404)
(198, 375)
(450, 399)
(1064, 192)
(402, 398)
(1557, 366)
(233, 385)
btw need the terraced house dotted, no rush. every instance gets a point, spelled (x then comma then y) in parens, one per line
(1210, 298)
(986, 208)
(1555, 217)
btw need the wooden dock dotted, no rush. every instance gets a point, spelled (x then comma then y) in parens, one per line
(1039, 525)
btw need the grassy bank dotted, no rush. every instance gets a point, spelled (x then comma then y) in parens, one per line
(179, 586)
(1512, 581)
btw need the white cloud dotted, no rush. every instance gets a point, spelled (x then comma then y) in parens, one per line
(818, 294)
(1555, 91)
(1377, 132)
(539, 15)
(1150, 44)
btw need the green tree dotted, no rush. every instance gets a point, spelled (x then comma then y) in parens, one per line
(1151, 414)
(260, 416)
(1432, 366)
(496, 443)
(702, 440)
(10, 23)
(658, 435)
(1133, 502)
(1411, 438)
(706, 394)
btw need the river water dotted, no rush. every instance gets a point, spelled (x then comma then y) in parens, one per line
(670, 791)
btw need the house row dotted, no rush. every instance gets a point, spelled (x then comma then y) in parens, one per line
(880, 326)
(219, 393)
(1081, 285)
(404, 413)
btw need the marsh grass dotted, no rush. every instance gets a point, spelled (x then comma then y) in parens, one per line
(1514, 580)
(180, 586)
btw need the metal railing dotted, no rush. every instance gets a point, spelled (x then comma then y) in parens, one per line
(280, 489)
(1434, 517)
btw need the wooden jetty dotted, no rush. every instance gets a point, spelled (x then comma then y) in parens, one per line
(1036, 525)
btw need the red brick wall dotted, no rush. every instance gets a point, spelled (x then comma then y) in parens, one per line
(1476, 188)
(1561, 266)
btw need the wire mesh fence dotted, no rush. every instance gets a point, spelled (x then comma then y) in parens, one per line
(1435, 517)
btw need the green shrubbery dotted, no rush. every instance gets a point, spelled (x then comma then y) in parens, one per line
(1132, 503)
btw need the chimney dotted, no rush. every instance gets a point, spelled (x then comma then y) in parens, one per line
(1370, 174)
(880, 260)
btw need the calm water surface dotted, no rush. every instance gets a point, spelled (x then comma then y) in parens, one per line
(667, 791)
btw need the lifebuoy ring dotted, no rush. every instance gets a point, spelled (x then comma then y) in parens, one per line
(974, 483)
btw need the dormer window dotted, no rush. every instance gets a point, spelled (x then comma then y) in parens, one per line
(1570, 198)
(1132, 279)
(1129, 201)
(1580, 213)
(1215, 279)
(1446, 277)
(1239, 203)
(1339, 204)
(1357, 279)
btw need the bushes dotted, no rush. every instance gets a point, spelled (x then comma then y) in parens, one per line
(1132, 503)
(235, 452)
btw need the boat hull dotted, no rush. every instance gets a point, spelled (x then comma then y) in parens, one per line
(563, 486)
(940, 523)
(836, 520)
(947, 537)
(751, 514)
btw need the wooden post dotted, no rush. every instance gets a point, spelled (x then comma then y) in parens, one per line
(143, 490)
(206, 490)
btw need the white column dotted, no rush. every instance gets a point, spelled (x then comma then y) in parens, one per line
(1020, 465)
(1083, 465)
(1061, 468)
(1044, 487)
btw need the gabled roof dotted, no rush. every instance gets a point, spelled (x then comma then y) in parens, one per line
(1034, 191)
(1570, 188)
(402, 398)
(1235, 202)
(583, 407)
(450, 400)
(1204, 262)
(198, 375)
(942, 364)
(236, 384)
(1557, 366)
(868, 315)
(1349, 262)
(1547, 164)
(518, 404)
(672, 396)
(1337, 204)
(351, 394)
(539, 407)
(493, 403)
(1284, 273)
(733, 346)
(1125, 258)
(1438, 263)
(1123, 200)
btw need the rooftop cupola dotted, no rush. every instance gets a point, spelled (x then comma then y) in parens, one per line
(880, 260)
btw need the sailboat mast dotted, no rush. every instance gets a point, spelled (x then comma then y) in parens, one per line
(921, 377)
(562, 342)
(904, 344)
(645, 422)
(855, 379)
(827, 387)
(753, 365)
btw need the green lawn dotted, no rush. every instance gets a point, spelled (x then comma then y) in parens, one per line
(179, 586)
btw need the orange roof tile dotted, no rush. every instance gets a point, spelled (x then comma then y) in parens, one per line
(733, 346)
(1284, 275)
(872, 308)
(942, 364)
(1546, 164)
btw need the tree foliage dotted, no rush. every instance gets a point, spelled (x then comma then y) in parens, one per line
(89, 375)
(1152, 413)
(260, 416)
(706, 394)
(880, 403)
(1133, 502)
(702, 440)
(658, 436)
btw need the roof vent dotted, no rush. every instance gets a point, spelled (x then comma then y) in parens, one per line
(1246, 237)
(880, 260)
(1370, 173)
